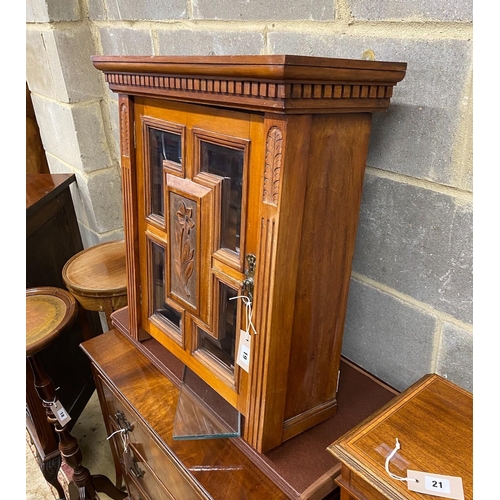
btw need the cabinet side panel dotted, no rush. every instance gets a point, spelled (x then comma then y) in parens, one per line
(337, 160)
(283, 189)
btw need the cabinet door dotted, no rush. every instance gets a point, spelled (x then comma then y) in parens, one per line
(198, 183)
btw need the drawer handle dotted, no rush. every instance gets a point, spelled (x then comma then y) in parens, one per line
(122, 421)
(136, 470)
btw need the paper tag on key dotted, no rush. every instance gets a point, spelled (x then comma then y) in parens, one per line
(436, 484)
(127, 459)
(243, 358)
(60, 413)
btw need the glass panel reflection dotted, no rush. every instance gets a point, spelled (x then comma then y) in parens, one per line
(160, 308)
(223, 347)
(202, 413)
(228, 164)
(162, 146)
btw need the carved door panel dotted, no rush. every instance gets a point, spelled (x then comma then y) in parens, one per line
(194, 192)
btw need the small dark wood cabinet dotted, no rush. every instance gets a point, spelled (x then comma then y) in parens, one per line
(52, 237)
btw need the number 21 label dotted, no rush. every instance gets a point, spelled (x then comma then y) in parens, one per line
(437, 484)
(434, 484)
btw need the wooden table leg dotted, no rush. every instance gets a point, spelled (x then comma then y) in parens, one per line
(42, 385)
(50, 469)
(68, 445)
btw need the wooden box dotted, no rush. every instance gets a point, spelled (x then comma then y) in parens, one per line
(432, 421)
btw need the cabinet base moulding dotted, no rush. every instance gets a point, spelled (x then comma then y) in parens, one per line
(308, 419)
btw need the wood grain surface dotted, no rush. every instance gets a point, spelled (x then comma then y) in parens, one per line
(432, 421)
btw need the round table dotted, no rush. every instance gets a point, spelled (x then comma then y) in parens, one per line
(50, 312)
(97, 277)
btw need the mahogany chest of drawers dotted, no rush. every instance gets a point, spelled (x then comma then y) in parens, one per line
(139, 393)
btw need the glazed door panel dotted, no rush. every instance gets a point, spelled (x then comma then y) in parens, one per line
(193, 169)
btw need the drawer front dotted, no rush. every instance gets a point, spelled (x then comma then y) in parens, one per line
(365, 489)
(139, 472)
(356, 487)
(148, 451)
(134, 491)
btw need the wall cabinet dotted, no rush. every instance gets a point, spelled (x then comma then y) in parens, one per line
(242, 177)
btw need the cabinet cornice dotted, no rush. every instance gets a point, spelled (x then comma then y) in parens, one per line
(289, 84)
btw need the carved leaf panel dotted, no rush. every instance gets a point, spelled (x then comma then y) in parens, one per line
(184, 232)
(272, 169)
(124, 129)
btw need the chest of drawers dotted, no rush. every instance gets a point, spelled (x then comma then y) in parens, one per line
(139, 392)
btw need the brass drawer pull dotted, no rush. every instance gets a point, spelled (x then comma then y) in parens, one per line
(123, 423)
(136, 470)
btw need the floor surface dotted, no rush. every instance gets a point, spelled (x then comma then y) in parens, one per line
(90, 432)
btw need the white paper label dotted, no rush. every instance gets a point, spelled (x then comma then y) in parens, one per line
(60, 413)
(127, 459)
(243, 358)
(435, 484)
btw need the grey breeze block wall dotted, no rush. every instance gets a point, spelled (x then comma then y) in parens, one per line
(410, 300)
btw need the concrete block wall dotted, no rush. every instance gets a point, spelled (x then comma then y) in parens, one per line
(410, 301)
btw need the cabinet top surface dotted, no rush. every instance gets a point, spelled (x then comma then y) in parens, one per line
(432, 421)
(253, 64)
(278, 83)
(43, 186)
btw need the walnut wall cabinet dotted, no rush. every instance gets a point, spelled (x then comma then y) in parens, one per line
(243, 175)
